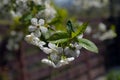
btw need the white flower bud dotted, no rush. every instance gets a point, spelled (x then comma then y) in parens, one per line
(70, 59)
(28, 38)
(49, 62)
(77, 53)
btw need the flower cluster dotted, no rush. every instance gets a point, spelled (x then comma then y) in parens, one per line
(24, 6)
(58, 54)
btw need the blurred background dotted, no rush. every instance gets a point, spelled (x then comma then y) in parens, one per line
(22, 61)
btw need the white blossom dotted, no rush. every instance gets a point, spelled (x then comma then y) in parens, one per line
(102, 27)
(88, 30)
(108, 35)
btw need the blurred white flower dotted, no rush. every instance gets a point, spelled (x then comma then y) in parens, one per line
(15, 14)
(38, 2)
(80, 36)
(13, 33)
(88, 30)
(108, 35)
(102, 27)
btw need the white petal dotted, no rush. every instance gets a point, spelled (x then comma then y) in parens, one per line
(54, 57)
(32, 28)
(41, 22)
(80, 36)
(28, 38)
(52, 46)
(35, 41)
(34, 21)
(69, 52)
(46, 50)
(43, 29)
(102, 27)
(77, 46)
(13, 33)
(77, 53)
(49, 62)
(37, 33)
(41, 43)
(61, 63)
(60, 50)
(38, 2)
(88, 30)
(70, 59)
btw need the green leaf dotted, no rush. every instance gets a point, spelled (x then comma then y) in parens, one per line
(60, 41)
(88, 45)
(69, 27)
(80, 30)
(58, 35)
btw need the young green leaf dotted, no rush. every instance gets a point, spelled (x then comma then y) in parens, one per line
(70, 28)
(80, 30)
(58, 35)
(88, 45)
(60, 40)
